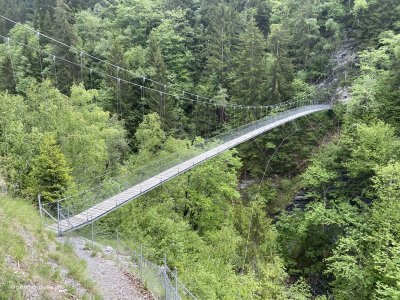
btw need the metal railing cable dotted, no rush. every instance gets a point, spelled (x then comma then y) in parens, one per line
(156, 162)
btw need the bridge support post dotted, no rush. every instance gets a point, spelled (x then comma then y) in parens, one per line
(116, 249)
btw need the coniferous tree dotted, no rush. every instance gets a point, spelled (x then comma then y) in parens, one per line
(17, 10)
(64, 31)
(50, 175)
(223, 25)
(249, 79)
(7, 79)
(158, 101)
(281, 69)
(43, 15)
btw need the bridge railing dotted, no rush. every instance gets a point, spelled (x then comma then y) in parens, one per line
(75, 204)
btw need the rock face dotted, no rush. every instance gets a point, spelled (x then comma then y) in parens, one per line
(342, 94)
(300, 201)
(344, 61)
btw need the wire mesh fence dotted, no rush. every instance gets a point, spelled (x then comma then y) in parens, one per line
(162, 282)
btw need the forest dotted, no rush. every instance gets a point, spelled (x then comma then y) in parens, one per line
(89, 90)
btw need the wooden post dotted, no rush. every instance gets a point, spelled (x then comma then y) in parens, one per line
(116, 248)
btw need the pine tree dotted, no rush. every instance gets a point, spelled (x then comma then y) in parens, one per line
(64, 31)
(281, 69)
(50, 173)
(43, 15)
(249, 80)
(7, 82)
(156, 60)
(223, 26)
(158, 101)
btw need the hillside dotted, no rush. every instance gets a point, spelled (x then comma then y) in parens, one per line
(33, 265)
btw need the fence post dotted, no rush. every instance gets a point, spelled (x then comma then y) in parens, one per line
(176, 284)
(40, 208)
(165, 277)
(141, 262)
(116, 248)
(58, 218)
(92, 235)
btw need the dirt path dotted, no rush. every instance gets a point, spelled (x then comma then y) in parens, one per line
(111, 281)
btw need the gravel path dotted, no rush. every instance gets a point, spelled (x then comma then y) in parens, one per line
(111, 281)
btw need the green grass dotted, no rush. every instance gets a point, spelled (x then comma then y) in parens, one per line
(16, 217)
(94, 247)
(26, 244)
(75, 266)
(9, 283)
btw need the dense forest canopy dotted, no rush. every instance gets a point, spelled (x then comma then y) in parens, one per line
(90, 89)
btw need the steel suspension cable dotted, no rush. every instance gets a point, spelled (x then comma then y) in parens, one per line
(83, 53)
(208, 103)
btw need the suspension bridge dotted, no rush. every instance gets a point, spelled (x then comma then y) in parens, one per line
(72, 214)
(77, 211)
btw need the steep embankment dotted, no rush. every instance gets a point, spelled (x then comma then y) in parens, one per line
(33, 265)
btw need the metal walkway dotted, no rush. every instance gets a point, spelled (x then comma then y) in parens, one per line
(67, 223)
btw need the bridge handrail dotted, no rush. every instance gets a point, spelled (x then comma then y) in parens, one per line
(107, 190)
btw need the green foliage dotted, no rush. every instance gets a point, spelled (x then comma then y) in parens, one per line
(284, 150)
(50, 175)
(88, 137)
(351, 238)
(365, 263)
(150, 135)
(55, 133)
(372, 17)
(200, 214)
(24, 242)
(373, 92)
(372, 145)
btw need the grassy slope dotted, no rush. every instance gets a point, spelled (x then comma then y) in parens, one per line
(32, 263)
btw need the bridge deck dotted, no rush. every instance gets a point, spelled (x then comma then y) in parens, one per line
(103, 208)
